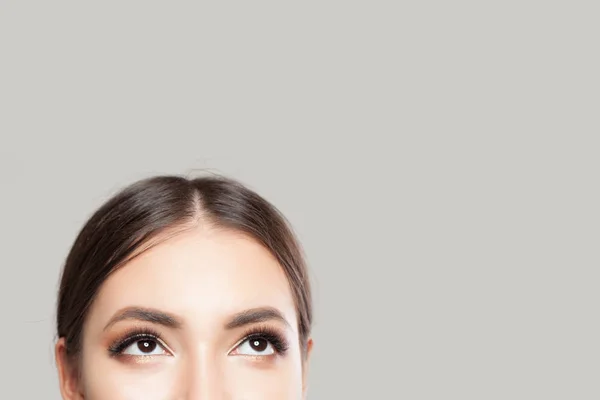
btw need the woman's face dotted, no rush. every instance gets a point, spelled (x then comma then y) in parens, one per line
(203, 315)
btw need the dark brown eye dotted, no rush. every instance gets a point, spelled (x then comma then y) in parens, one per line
(258, 344)
(146, 346)
(141, 345)
(255, 346)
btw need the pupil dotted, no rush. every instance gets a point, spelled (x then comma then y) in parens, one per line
(146, 346)
(258, 344)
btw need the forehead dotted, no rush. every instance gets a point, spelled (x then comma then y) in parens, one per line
(202, 275)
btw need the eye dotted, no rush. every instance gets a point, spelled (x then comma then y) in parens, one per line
(254, 346)
(145, 346)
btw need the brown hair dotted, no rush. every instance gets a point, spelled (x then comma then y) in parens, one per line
(127, 223)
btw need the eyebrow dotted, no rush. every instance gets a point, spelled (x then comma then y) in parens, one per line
(147, 315)
(255, 315)
(243, 318)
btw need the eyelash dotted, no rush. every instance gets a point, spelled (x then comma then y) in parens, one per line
(133, 336)
(271, 335)
(279, 343)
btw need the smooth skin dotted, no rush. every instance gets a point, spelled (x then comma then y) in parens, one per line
(202, 291)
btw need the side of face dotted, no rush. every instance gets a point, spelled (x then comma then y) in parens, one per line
(207, 314)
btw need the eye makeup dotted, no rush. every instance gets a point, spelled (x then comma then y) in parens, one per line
(149, 335)
(272, 335)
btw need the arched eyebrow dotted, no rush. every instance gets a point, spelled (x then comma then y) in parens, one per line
(146, 314)
(240, 319)
(255, 315)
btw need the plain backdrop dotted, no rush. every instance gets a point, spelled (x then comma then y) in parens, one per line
(439, 161)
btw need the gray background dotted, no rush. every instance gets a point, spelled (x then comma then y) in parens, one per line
(439, 161)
